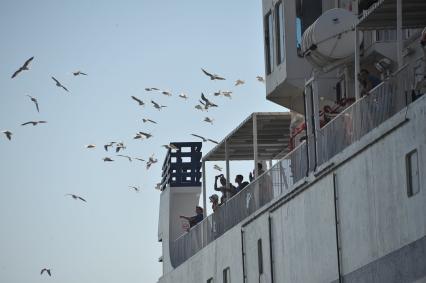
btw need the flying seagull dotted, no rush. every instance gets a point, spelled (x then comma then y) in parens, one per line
(207, 103)
(148, 120)
(108, 145)
(224, 93)
(239, 82)
(34, 123)
(165, 92)
(23, 67)
(156, 105)
(77, 73)
(90, 146)
(208, 120)
(170, 146)
(183, 95)
(8, 134)
(217, 167)
(151, 161)
(33, 99)
(125, 156)
(119, 146)
(135, 188)
(212, 76)
(142, 135)
(201, 137)
(151, 89)
(141, 103)
(107, 159)
(47, 269)
(58, 84)
(260, 79)
(76, 197)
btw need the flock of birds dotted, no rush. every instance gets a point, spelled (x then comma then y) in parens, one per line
(203, 105)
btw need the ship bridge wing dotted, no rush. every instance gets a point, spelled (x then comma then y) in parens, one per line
(382, 15)
(273, 134)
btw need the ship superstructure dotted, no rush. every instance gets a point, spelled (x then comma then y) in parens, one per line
(343, 199)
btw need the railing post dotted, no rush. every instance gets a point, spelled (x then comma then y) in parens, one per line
(399, 41)
(357, 65)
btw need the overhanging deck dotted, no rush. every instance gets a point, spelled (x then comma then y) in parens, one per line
(272, 130)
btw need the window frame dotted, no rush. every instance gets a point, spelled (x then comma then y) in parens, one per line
(268, 22)
(279, 32)
(226, 272)
(260, 256)
(409, 173)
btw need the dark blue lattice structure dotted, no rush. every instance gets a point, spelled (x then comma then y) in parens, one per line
(182, 168)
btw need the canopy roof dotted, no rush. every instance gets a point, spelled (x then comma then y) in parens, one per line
(382, 15)
(273, 135)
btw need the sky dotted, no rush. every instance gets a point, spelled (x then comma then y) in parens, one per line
(124, 47)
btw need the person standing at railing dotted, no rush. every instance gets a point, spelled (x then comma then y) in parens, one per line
(367, 81)
(214, 199)
(223, 188)
(197, 218)
(240, 184)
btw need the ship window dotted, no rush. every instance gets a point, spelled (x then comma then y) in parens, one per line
(227, 275)
(210, 280)
(260, 256)
(269, 46)
(307, 12)
(279, 31)
(412, 168)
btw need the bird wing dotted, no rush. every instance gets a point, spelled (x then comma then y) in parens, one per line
(41, 272)
(207, 73)
(82, 200)
(137, 99)
(56, 81)
(27, 123)
(213, 141)
(81, 73)
(8, 135)
(155, 103)
(140, 159)
(64, 87)
(219, 78)
(204, 99)
(48, 272)
(27, 63)
(42, 122)
(152, 121)
(125, 156)
(203, 138)
(16, 73)
(36, 103)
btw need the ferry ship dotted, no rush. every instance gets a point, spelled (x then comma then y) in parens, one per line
(343, 197)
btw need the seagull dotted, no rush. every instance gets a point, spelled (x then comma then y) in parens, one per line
(108, 145)
(106, 159)
(76, 197)
(165, 92)
(208, 120)
(77, 73)
(217, 167)
(119, 146)
(142, 135)
(140, 159)
(58, 84)
(125, 156)
(23, 67)
(260, 79)
(151, 161)
(90, 146)
(148, 120)
(47, 269)
(8, 134)
(151, 89)
(141, 103)
(33, 99)
(34, 123)
(207, 103)
(170, 146)
(227, 94)
(135, 188)
(212, 76)
(239, 82)
(156, 105)
(183, 95)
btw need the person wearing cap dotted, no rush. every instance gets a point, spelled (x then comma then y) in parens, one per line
(194, 220)
(214, 199)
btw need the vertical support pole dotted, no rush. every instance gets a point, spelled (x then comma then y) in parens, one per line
(203, 166)
(227, 166)
(255, 152)
(357, 65)
(399, 41)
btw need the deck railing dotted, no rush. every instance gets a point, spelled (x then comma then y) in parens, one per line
(345, 129)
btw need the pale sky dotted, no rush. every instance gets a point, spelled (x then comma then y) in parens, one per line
(123, 46)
